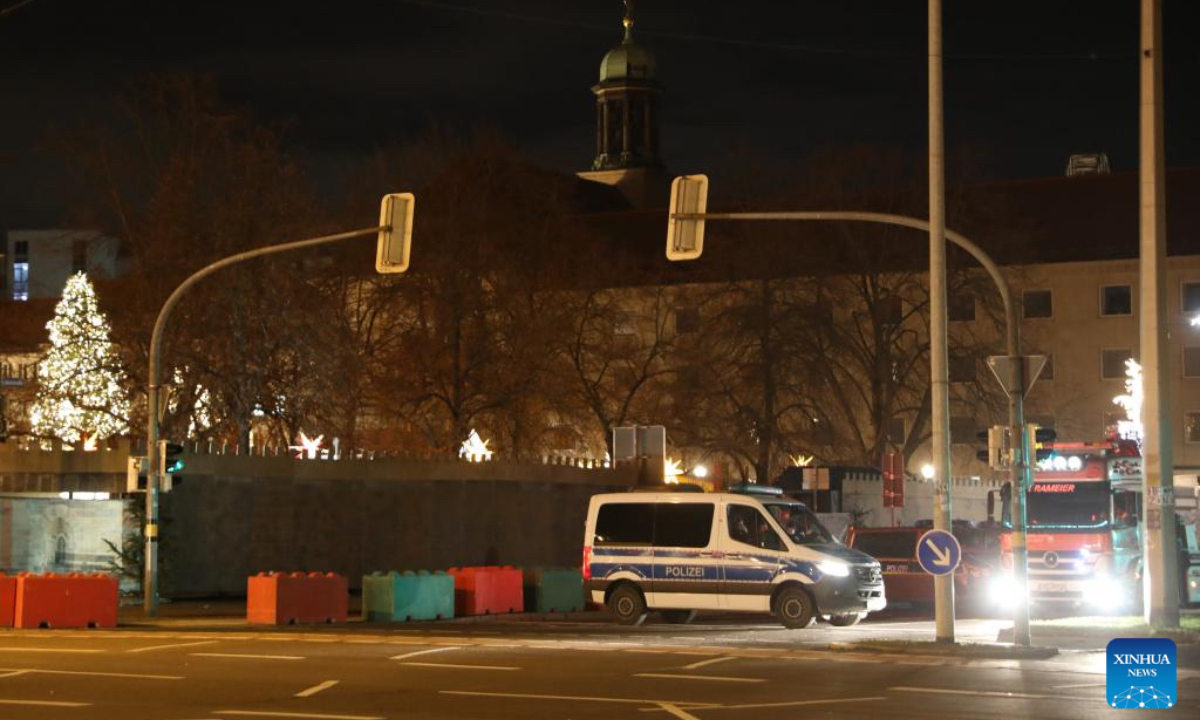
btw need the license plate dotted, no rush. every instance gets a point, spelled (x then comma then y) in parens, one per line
(1051, 587)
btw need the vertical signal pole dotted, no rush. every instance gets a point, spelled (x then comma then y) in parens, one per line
(1159, 561)
(938, 356)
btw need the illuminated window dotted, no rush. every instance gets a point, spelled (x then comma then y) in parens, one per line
(1112, 364)
(20, 281)
(1116, 300)
(1038, 304)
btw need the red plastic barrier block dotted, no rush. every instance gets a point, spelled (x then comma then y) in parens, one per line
(487, 590)
(65, 601)
(290, 598)
(8, 599)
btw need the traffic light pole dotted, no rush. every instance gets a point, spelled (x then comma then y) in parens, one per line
(1016, 408)
(1021, 478)
(154, 477)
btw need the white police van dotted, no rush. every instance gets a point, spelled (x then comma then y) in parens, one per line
(680, 552)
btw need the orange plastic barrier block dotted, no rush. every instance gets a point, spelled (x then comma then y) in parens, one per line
(8, 599)
(487, 590)
(290, 598)
(65, 601)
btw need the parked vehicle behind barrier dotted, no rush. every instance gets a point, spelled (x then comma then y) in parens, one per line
(683, 552)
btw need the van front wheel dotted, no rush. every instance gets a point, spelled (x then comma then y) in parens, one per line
(794, 608)
(627, 605)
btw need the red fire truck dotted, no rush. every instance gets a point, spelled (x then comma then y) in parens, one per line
(1082, 528)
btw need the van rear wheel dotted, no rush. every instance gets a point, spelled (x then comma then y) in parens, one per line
(794, 608)
(627, 605)
(846, 619)
(678, 617)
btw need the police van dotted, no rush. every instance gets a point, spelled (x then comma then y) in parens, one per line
(682, 552)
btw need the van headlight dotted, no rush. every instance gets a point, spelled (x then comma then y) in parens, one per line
(834, 568)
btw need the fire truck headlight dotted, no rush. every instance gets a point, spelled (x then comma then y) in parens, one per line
(1106, 591)
(1003, 589)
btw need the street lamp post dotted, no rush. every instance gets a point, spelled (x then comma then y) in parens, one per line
(685, 241)
(395, 239)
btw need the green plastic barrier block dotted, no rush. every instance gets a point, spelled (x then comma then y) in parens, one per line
(553, 589)
(400, 597)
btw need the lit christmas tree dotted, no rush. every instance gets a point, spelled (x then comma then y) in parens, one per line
(79, 380)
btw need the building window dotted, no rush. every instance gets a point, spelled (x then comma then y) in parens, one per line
(889, 311)
(963, 430)
(1047, 372)
(895, 431)
(21, 249)
(687, 320)
(1189, 296)
(1191, 427)
(1116, 300)
(1191, 361)
(1112, 364)
(79, 255)
(20, 290)
(961, 308)
(1038, 304)
(962, 369)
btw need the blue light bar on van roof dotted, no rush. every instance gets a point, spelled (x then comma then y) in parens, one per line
(753, 489)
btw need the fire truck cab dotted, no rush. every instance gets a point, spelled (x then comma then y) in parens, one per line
(1082, 533)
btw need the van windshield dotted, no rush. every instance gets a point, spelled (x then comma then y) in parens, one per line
(799, 523)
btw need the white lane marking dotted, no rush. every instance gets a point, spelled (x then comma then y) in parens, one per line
(531, 696)
(422, 652)
(48, 650)
(317, 688)
(169, 647)
(45, 703)
(461, 667)
(88, 673)
(710, 661)
(248, 656)
(13, 673)
(677, 712)
(793, 703)
(314, 716)
(713, 678)
(993, 693)
(1078, 685)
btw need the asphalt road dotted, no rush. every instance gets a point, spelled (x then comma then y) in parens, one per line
(717, 670)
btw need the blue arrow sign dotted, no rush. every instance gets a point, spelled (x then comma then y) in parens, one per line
(938, 552)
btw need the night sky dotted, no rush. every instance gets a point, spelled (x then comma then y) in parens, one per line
(1027, 83)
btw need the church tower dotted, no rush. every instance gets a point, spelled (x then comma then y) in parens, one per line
(627, 106)
(627, 140)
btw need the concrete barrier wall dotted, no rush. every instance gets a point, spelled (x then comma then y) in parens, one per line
(231, 515)
(221, 529)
